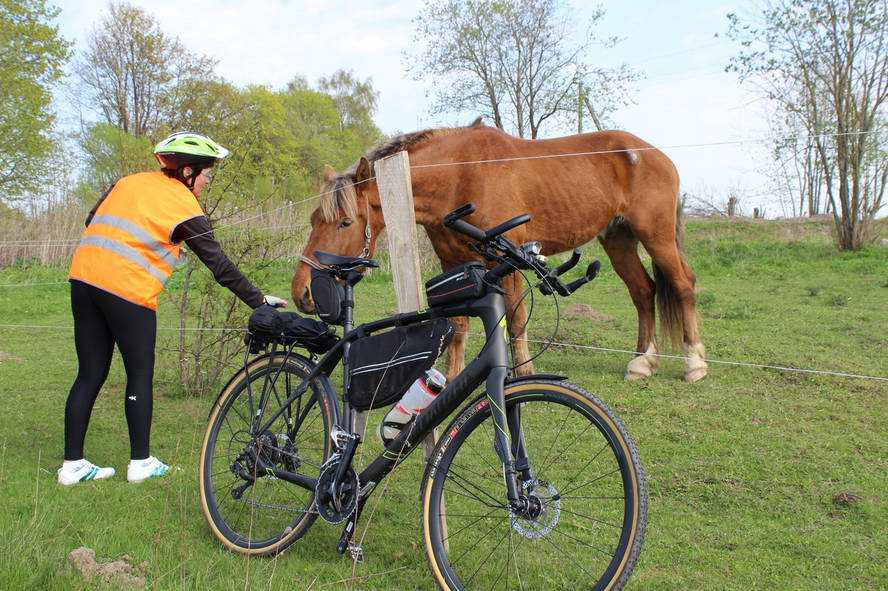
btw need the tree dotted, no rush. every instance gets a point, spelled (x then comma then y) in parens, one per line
(134, 75)
(355, 99)
(32, 55)
(826, 62)
(514, 62)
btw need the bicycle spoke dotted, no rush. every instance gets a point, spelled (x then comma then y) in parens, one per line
(579, 541)
(562, 553)
(593, 481)
(488, 478)
(586, 465)
(486, 558)
(451, 475)
(545, 462)
(472, 547)
(563, 510)
(482, 457)
(454, 534)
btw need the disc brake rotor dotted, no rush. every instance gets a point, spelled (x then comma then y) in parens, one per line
(550, 510)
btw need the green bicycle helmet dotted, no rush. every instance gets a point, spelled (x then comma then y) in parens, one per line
(187, 149)
(191, 144)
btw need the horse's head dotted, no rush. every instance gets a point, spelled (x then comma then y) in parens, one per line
(347, 222)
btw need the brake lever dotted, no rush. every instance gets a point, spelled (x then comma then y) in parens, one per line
(591, 273)
(569, 264)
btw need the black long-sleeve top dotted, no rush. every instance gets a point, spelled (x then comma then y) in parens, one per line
(198, 235)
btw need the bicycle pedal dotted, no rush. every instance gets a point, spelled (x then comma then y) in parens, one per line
(356, 552)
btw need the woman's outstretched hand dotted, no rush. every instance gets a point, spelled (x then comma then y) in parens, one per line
(275, 302)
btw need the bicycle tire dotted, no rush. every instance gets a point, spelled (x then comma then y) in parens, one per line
(321, 403)
(444, 541)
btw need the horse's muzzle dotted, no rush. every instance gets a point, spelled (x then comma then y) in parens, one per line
(305, 303)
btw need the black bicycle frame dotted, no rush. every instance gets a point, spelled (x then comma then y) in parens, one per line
(492, 364)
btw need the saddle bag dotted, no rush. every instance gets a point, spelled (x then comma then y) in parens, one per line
(456, 285)
(383, 366)
(328, 295)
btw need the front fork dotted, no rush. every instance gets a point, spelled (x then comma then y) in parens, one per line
(508, 439)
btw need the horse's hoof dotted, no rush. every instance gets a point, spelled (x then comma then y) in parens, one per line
(695, 375)
(634, 376)
(641, 367)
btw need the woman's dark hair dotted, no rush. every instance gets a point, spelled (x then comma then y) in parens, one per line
(179, 162)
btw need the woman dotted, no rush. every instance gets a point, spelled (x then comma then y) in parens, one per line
(126, 254)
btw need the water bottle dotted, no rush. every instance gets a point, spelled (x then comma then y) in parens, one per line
(421, 394)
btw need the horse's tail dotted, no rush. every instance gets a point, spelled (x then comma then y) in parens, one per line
(668, 304)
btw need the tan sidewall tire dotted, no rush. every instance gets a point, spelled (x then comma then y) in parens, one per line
(639, 517)
(231, 387)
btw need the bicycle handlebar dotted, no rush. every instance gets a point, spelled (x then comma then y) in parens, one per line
(495, 247)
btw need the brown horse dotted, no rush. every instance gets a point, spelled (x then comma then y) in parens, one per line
(624, 192)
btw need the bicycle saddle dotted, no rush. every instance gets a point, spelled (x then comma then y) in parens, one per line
(343, 263)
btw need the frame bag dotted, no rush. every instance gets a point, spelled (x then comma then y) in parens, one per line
(383, 366)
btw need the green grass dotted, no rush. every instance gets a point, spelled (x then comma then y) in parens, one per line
(743, 467)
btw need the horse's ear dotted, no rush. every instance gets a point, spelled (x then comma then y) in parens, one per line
(362, 172)
(329, 173)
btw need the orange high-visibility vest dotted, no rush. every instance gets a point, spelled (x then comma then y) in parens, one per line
(127, 248)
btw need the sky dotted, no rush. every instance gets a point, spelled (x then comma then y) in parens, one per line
(685, 97)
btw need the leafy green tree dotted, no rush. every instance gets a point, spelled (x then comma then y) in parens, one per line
(108, 154)
(134, 75)
(32, 55)
(825, 63)
(514, 61)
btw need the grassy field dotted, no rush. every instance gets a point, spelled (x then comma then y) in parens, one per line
(759, 479)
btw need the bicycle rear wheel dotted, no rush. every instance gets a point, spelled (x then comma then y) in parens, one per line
(590, 514)
(249, 511)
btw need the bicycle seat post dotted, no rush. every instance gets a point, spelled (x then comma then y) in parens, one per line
(348, 324)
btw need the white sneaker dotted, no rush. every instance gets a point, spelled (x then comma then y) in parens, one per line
(81, 471)
(150, 467)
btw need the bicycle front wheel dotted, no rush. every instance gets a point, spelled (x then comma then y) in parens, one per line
(586, 485)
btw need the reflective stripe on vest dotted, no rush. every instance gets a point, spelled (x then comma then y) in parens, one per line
(127, 249)
(127, 253)
(144, 237)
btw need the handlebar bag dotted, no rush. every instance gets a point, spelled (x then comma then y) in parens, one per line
(383, 366)
(456, 285)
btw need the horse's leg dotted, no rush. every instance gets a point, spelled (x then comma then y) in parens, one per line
(675, 293)
(517, 324)
(456, 352)
(621, 246)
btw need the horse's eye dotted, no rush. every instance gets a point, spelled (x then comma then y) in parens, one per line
(345, 223)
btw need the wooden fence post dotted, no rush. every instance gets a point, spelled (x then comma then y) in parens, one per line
(396, 195)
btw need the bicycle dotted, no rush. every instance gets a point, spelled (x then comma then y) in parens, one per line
(558, 501)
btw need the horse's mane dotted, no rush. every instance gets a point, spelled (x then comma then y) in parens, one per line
(339, 193)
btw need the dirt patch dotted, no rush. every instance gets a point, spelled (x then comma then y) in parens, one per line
(4, 356)
(116, 573)
(588, 312)
(845, 499)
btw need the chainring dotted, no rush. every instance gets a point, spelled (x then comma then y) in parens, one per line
(338, 508)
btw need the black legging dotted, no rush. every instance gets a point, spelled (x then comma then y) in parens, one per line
(102, 319)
